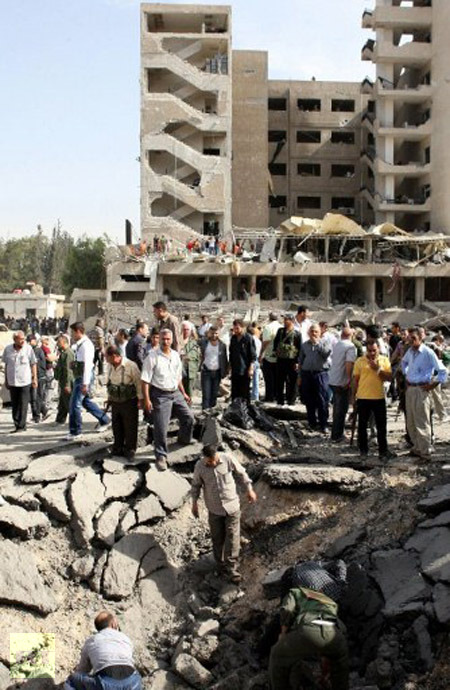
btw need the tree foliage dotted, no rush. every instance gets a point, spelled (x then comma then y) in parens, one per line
(58, 263)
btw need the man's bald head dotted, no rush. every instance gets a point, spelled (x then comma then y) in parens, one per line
(347, 333)
(105, 619)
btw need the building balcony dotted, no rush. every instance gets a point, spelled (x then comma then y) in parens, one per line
(412, 18)
(403, 205)
(414, 53)
(411, 169)
(405, 133)
(405, 94)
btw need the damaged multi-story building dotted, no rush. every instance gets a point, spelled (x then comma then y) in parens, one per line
(228, 152)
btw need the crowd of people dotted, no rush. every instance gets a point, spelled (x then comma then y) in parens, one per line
(159, 369)
(44, 326)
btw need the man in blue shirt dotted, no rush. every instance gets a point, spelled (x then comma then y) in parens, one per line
(423, 372)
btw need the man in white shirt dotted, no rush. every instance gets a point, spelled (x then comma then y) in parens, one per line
(302, 322)
(83, 376)
(204, 327)
(164, 393)
(343, 357)
(20, 377)
(106, 659)
(268, 358)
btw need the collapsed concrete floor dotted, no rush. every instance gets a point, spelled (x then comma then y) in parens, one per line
(82, 532)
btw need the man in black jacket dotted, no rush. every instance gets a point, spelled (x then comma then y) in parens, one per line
(286, 348)
(242, 359)
(214, 367)
(136, 346)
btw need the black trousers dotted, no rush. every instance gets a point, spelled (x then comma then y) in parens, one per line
(20, 399)
(286, 379)
(365, 408)
(269, 370)
(125, 418)
(240, 386)
(63, 406)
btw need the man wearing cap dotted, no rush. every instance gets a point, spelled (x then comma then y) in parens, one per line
(20, 377)
(268, 358)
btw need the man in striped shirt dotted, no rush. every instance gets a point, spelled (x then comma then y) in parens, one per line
(214, 474)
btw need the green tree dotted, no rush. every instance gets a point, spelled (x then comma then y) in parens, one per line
(85, 265)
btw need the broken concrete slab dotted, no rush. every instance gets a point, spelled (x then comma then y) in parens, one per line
(180, 454)
(171, 489)
(149, 509)
(116, 464)
(86, 495)
(208, 627)
(82, 568)
(51, 468)
(20, 494)
(154, 560)
(433, 548)
(203, 648)
(165, 680)
(440, 520)
(121, 485)
(14, 461)
(25, 524)
(288, 414)
(5, 676)
(441, 602)
(192, 671)
(397, 573)
(109, 521)
(293, 476)
(127, 522)
(20, 581)
(347, 541)
(124, 562)
(54, 502)
(436, 501)
(97, 576)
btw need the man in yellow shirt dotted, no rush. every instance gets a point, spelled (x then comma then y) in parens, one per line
(369, 374)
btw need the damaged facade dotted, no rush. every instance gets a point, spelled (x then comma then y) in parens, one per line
(228, 153)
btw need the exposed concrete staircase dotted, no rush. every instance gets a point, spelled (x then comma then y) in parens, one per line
(166, 142)
(204, 81)
(187, 113)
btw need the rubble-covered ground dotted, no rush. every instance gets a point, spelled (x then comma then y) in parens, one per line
(81, 532)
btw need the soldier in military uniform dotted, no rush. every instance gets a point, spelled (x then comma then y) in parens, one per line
(64, 376)
(124, 397)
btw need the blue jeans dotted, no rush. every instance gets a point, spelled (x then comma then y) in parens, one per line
(84, 681)
(341, 398)
(255, 382)
(79, 400)
(210, 387)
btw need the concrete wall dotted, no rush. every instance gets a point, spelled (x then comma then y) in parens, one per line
(250, 146)
(325, 187)
(45, 306)
(440, 143)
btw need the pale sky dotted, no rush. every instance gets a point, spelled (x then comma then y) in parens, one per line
(69, 76)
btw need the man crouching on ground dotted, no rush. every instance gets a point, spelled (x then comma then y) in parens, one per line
(214, 473)
(108, 655)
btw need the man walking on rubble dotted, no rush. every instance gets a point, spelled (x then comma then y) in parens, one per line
(124, 396)
(106, 660)
(214, 474)
(64, 376)
(164, 394)
(424, 372)
(310, 630)
(83, 378)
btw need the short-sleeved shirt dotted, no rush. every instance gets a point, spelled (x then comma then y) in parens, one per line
(370, 386)
(18, 363)
(343, 352)
(162, 371)
(106, 648)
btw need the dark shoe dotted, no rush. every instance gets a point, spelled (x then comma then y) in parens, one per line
(46, 415)
(161, 464)
(363, 456)
(235, 578)
(388, 455)
(115, 451)
(129, 454)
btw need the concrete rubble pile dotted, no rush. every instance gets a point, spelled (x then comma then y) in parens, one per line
(131, 543)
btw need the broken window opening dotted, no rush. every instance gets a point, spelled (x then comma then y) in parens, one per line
(308, 136)
(309, 169)
(343, 170)
(338, 137)
(277, 201)
(277, 103)
(308, 105)
(342, 105)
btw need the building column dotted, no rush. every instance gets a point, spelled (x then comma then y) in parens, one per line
(370, 292)
(419, 291)
(280, 288)
(325, 290)
(252, 285)
(230, 288)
